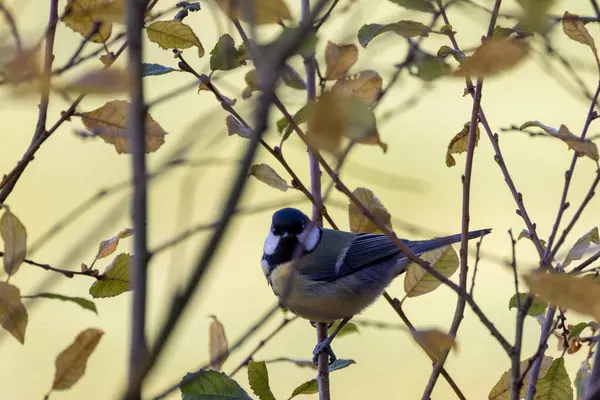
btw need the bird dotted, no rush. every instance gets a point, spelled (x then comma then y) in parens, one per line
(325, 275)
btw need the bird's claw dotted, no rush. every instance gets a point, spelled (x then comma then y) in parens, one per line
(323, 347)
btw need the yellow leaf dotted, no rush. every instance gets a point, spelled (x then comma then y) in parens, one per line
(417, 281)
(14, 235)
(110, 123)
(259, 12)
(581, 246)
(174, 34)
(334, 116)
(339, 59)
(576, 30)
(217, 344)
(252, 84)
(115, 279)
(459, 143)
(492, 57)
(361, 224)
(80, 15)
(101, 81)
(581, 146)
(579, 295)
(365, 85)
(107, 247)
(501, 390)
(434, 342)
(71, 363)
(13, 315)
(268, 175)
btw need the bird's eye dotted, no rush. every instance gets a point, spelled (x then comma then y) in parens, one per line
(275, 232)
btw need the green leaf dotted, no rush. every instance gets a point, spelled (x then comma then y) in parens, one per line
(525, 234)
(501, 390)
(80, 301)
(581, 246)
(258, 377)
(173, 34)
(417, 5)
(502, 33)
(14, 235)
(346, 329)
(292, 78)
(556, 385)
(211, 385)
(340, 364)
(430, 68)
(582, 378)
(224, 56)
(150, 69)
(308, 45)
(300, 117)
(403, 28)
(538, 306)
(312, 386)
(577, 329)
(418, 282)
(268, 175)
(115, 279)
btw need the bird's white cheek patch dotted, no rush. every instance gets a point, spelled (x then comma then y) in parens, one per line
(271, 243)
(265, 267)
(311, 239)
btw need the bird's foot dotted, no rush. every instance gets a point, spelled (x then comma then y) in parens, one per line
(324, 347)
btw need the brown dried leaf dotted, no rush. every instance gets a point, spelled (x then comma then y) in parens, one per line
(492, 57)
(579, 295)
(434, 342)
(109, 246)
(20, 66)
(14, 235)
(583, 147)
(361, 224)
(268, 175)
(110, 123)
(365, 85)
(459, 143)
(71, 363)
(576, 30)
(13, 315)
(217, 344)
(258, 12)
(252, 84)
(101, 81)
(339, 59)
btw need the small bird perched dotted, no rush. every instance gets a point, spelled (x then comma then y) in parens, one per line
(324, 275)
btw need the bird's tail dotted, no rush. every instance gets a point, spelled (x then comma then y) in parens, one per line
(423, 246)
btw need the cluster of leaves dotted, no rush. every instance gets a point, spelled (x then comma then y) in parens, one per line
(71, 363)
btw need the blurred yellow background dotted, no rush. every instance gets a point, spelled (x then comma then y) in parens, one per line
(68, 170)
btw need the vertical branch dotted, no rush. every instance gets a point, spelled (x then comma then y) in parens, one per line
(13, 26)
(315, 189)
(466, 200)
(137, 143)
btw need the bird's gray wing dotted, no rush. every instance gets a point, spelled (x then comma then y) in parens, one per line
(365, 250)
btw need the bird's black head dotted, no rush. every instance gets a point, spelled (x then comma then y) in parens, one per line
(289, 228)
(289, 221)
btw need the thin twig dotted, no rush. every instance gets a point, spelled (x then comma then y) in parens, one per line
(466, 181)
(395, 304)
(65, 272)
(475, 268)
(285, 322)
